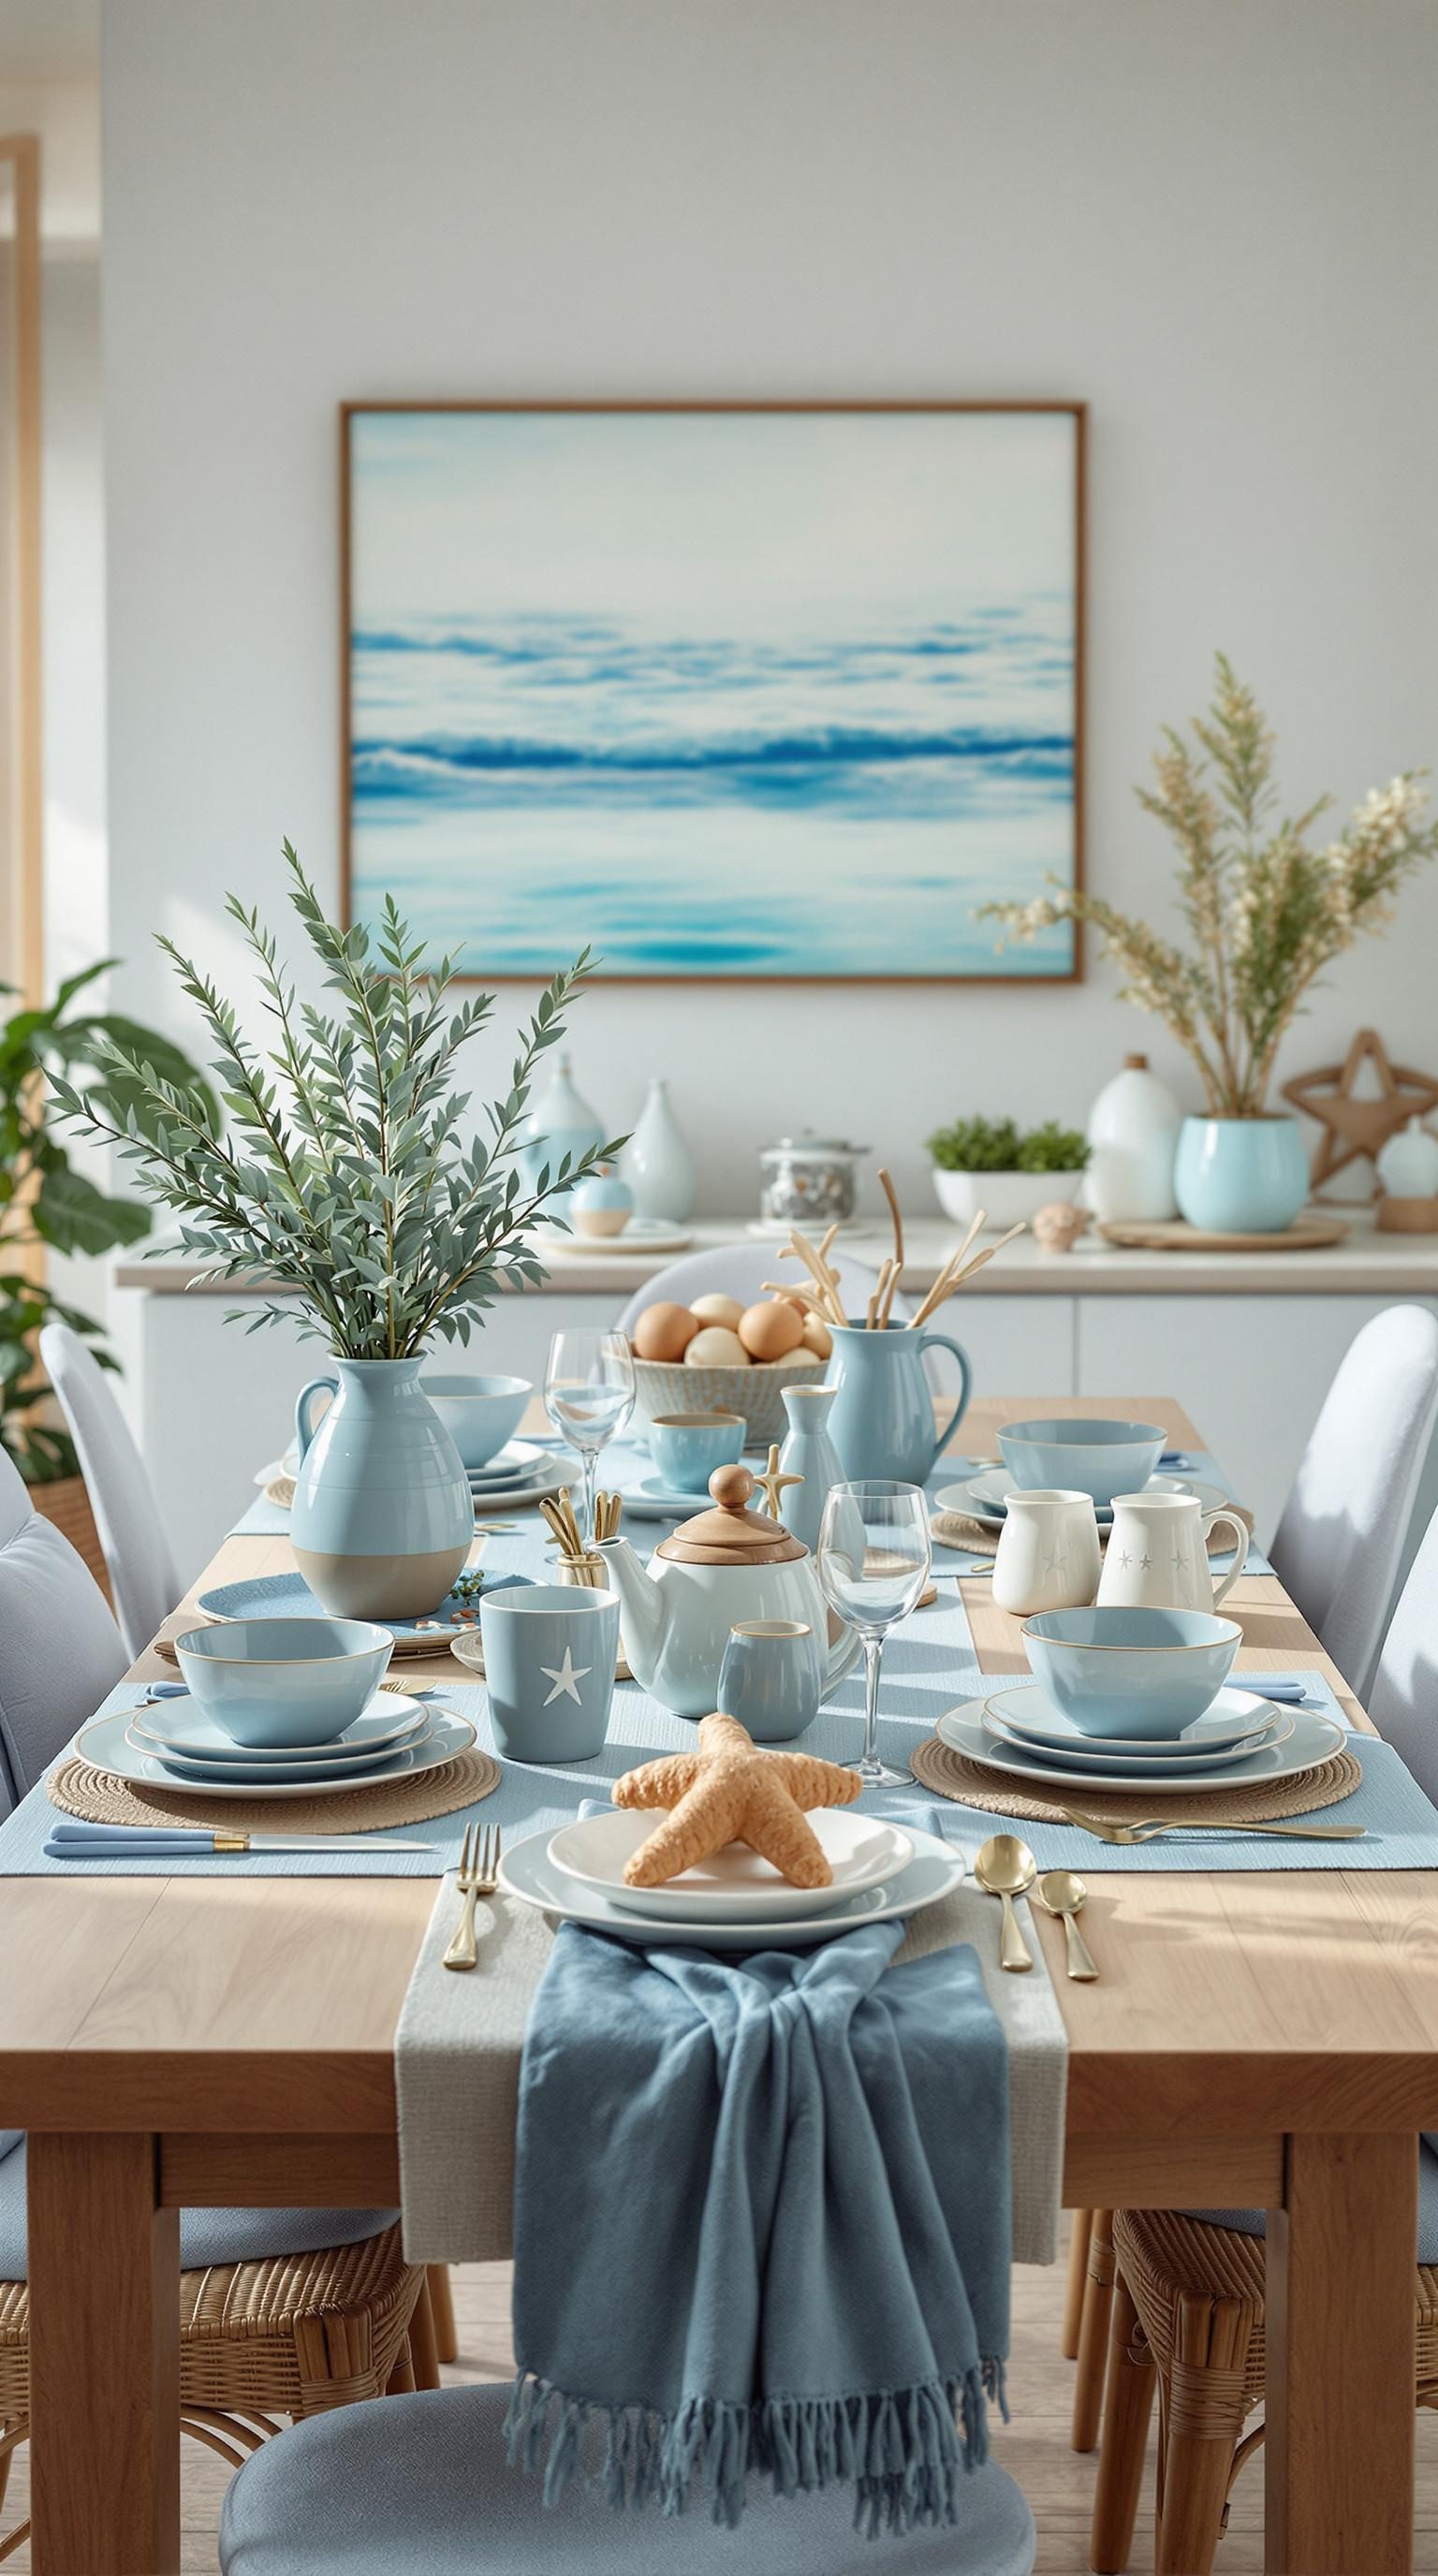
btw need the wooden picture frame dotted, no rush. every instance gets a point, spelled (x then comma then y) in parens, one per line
(1031, 967)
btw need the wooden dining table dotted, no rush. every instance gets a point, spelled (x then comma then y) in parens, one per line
(1257, 2038)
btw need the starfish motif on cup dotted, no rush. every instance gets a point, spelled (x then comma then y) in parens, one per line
(566, 1678)
(1058, 1563)
(1125, 1560)
(1145, 1563)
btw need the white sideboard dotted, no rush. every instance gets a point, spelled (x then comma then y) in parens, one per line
(1247, 1343)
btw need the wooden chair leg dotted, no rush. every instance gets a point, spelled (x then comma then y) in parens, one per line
(1078, 2275)
(1093, 2333)
(401, 2378)
(441, 2300)
(1127, 2406)
(1203, 2418)
(423, 2356)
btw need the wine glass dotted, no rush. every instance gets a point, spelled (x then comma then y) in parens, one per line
(588, 1396)
(873, 1563)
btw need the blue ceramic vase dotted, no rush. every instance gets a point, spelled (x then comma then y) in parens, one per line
(382, 1519)
(808, 1452)
(1240, 1175)
(883, 1419)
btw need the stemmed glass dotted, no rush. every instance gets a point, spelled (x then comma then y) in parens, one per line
(873, 1563)
(588, 1396)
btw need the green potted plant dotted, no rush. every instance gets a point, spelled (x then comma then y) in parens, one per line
(353, 1179)
(45, 1204)
(989, 1163)
(1266, 912)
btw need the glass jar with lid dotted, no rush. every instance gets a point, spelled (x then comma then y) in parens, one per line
(809, 1180)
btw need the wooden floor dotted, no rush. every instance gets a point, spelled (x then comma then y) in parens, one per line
(1035, 2446)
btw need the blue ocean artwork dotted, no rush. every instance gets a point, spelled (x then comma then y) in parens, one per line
(721, 694)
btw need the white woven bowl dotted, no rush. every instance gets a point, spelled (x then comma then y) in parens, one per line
(667, 1386)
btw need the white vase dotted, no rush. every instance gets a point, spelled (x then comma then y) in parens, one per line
(657, 1163)
(1408, 1163)
(1133, 1130)
(559, 1123)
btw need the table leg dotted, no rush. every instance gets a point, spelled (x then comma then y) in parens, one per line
(1340, 2385)
(104, 2358)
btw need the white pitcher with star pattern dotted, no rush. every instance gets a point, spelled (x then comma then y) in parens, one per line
(1048, 1554)
(1157, 1556)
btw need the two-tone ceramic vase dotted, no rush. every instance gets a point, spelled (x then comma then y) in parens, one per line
(383, 1519)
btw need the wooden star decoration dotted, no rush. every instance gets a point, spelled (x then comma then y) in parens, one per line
(1352, 1126)
(773, 1482)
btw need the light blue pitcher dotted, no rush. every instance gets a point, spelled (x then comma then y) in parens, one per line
(883, 1419)
(383, 1518)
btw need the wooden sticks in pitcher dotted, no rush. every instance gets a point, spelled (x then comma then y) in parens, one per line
(958, 1268)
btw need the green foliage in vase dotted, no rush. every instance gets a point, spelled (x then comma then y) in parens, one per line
(1266, 910)
(346, 1177)
(44, 1201)
(997, 1145)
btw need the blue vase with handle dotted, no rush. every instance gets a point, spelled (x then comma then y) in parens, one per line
(883, 1419)
(383, 1518)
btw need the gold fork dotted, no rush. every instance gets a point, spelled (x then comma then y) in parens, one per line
(477, 1876)
(1146, 1828)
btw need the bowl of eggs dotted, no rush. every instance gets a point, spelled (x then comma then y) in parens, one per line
(720, 1356)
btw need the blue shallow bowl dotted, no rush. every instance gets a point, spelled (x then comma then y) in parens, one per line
(1131, 1672)
(479, 1413)
(284, 1681)
(1101, 1458)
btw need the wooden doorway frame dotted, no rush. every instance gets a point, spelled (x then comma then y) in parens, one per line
(24, 945)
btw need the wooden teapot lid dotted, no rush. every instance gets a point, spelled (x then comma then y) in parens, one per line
(731, 1535)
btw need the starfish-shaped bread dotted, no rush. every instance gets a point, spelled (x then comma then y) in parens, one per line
(729, 1793)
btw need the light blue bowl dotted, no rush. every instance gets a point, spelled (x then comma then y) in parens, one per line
(1131, 1672)
(1100, 1458)
(479, 1413)
(284, 1681)
(687, 1447)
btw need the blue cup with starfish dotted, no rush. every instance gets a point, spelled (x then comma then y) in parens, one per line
(550, 1652)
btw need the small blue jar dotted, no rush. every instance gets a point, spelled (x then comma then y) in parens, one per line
(1240, 1175)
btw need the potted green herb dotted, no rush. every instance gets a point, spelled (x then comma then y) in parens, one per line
(355, 1177)
(1266, 911)
(989, 1163)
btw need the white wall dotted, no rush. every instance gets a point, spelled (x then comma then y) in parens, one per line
(1215, 219)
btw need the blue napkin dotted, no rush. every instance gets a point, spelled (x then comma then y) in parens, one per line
(762, 2223)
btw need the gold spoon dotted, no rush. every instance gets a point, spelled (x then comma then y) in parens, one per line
(1005, 1867)
(1062, 1892)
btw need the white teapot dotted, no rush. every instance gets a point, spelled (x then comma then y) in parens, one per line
(1157, 1554)
(728, 1564)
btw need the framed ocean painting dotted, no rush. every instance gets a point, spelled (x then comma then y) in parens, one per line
(731, 692)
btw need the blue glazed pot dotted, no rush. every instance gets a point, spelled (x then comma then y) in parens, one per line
(382, 1519)
(1240, 1175)
(883, 1419)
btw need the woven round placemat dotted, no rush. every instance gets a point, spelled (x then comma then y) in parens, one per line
(102, 1798)
(936, 1766)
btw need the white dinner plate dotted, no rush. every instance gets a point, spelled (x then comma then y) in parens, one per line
(985, 1497)
(1118, 1767)
(517, 1459)
(1312, 1741)
(733, 1885)
(169, 1727)
(528, 1492)
(1029, 1712)
(936, 1869)
(294, 1775)
(105, 1743)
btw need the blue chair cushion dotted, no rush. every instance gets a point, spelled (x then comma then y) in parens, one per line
(420, 2486)
(1249, 2222)
(207, 2236)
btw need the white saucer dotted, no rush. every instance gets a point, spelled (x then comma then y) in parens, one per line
(1312, 1741)
(936, 1869)
(733, 1885)
(516, 1459)
(1274, 1727)
(105, 1743)
(525, 1490)
(642, 1234)
(984, 1498)
(1028, 1712)
(184, 1729)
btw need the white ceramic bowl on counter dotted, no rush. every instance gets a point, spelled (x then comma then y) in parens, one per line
(1007, 1197)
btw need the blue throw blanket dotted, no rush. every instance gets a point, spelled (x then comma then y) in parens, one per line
(762, 2223)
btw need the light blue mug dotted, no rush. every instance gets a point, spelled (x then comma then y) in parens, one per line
(772, 1678)
(550, 1651)
(687, 1447)
(883, 1419)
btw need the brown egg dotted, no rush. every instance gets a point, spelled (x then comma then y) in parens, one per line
(718, 1310)
(817, 1336)
(714, 1346)
(664, 1332)
(772, 1330)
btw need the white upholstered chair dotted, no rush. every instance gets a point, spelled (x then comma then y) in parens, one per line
(143, 1580)
(1403, 1701)
(422, 2487)
(1340, 1542)
(60, 1650)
